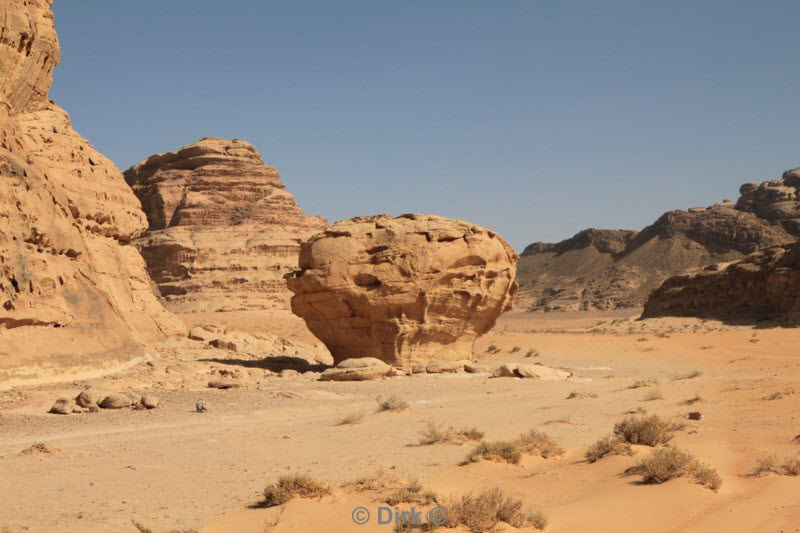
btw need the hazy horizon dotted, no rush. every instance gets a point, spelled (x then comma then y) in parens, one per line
(535, 119)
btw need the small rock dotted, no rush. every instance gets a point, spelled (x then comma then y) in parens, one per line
(62, 406)
(40, 448)
(288, 373)
(695, 415)
(505, 371)
(224, 345)
(220, 384)
(115, 401)
(474, 368)
(85, 399)
(149, 401)
(200, 407)
(93, 409)
(541, 372)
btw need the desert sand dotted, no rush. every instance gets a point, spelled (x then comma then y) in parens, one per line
(173, 468)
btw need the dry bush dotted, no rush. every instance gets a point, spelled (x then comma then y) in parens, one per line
(411, 492)
(692, 401)
(689, 375)
(492, 349)
(434, 434)
(291, 486)
(653, 395)
(510, 451)
(515, 349)
(611, 445)
(378, 481)
(670, 463)
(138, 525)
(532, 353)
(581, 395)
(351, 419)
(777, 395)
(485, 511)
(643, 383)
(706, 347)
(392, 403)
(647, 430)
(769, 464)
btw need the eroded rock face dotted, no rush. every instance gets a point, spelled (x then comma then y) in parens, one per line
(74, 298)
(223, 230)
(405, 290)
(764, 285)
(776, 200)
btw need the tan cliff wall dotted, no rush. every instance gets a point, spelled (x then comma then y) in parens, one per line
(75, 298)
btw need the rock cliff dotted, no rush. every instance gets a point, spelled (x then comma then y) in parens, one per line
(74, 297)
(405, 290)
(223, 230)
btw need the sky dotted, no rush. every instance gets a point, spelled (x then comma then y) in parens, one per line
(533, 118)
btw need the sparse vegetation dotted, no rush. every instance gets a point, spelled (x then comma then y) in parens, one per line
(611, 445)
(692, 400)
(706, 347)
(642, 383)
(351, 419)
(653, 395)
(689, 375)
(392, 403)
(486, 510)
(665, 464)
(647, 430)
(291, 486)
(770, 464)
(492, 349)
(511, 451)
(777, 395)
(515, 349)
(433, 434)
(411, 492)
(138, 525)
(532, 353)
(581, 395)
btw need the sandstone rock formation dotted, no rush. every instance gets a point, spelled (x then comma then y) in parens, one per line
(223, 230)
(608, 269)
(405, 290)
(763, 285)
(775, 200)
(74, 297)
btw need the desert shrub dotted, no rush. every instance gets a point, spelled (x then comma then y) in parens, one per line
(532, 353)
(647, 430)
(777, 395)
(138, 525)
(581, 395)
(692, 400)
(653, 395)
(290, 486)
(689, 375)
(433, 434)
(611, 445)
(411, 492)
(510, 451)
(351, 419)
(642, 383)
(392, 403)
(770, 464)
(515, 349)
(486, 510)
(665, 464)
(492, 349)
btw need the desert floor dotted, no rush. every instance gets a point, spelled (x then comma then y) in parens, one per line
(172, 468)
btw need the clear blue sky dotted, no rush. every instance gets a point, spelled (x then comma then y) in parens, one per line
(533, 118)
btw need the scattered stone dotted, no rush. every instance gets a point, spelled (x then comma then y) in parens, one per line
(224, 345)
(115, 401)
(505, 371)
(288, 373)
(519, 370)
(221, 384)
(85, 399)
(39, 448)
(201, 407)
(695, 415)
(93, 409)
(149, 401)
(62, 406)
(474, 368)
(358, 369)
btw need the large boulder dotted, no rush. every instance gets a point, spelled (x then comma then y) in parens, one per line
(406, 290)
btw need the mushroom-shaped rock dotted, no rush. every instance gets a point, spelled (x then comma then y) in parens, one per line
(405, 290)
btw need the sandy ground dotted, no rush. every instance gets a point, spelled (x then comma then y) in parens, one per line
(173, 469)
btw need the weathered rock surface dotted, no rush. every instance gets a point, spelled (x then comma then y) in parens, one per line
(405, 290)
(608, 269)
(359, 369)
(223, 230)
(519, 370)
(776, 200)
(74, 297)
(763, 285)
(115, 401)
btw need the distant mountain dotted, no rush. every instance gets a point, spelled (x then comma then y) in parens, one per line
(609, 269)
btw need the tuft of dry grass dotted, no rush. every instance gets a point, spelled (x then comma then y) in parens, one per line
(376, 482)
(611, 445)
(777, 395)
(665, 464)
(646, 430)
(486, 510)
(515, 349)
(351, 419)
(532, 353)
(492, 349)
(433, 434)
(653, 395)
(692, 400)
(511, 451)
(769, 463)
(581, 395)
(411, 492)
(643, 383)
(392, 403)
(291, 486)
(688, 375)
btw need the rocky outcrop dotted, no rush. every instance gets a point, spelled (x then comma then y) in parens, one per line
(764, 285)
(775, 200)
(405, 290)
(223, 230)
(74, 297)
(609, 269)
